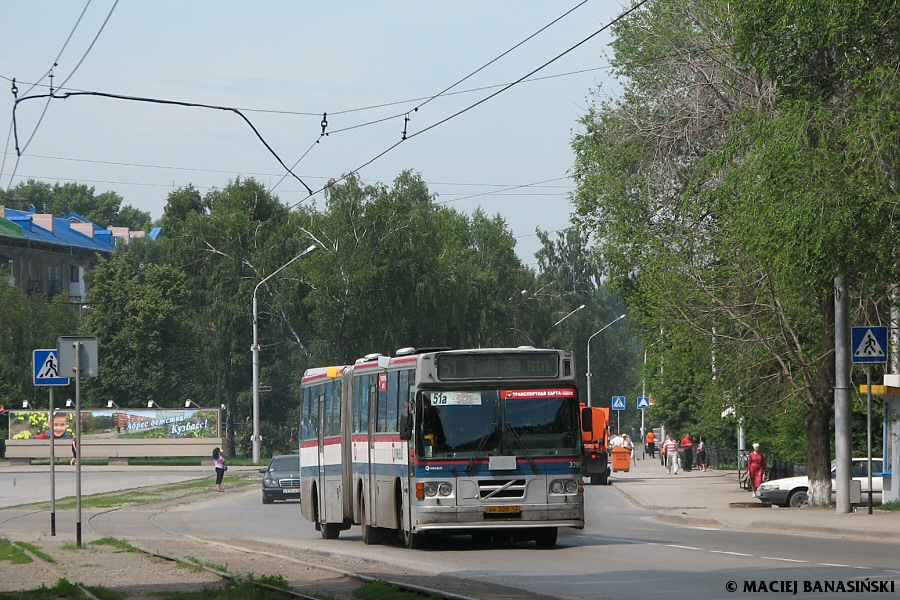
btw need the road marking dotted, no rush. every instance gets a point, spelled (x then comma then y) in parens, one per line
(793, 560)
(834, 565)
(683, 547)
(731, 553)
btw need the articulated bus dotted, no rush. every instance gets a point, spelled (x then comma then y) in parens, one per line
(484, 442)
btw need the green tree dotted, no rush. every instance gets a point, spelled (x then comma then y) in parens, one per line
(104, 209)
(140, 313)
(225, 244)
(721, 184)
(28, 324)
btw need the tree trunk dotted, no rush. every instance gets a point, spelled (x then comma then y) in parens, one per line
(818, 451)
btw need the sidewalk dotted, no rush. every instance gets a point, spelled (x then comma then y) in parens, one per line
(704, 499)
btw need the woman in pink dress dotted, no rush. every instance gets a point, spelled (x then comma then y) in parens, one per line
(756, 467)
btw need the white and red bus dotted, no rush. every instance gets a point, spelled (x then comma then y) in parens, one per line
(484, 442)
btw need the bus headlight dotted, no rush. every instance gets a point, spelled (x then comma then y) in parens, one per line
(445, 489)
(431, 489)
(557, 486)
(571, 486)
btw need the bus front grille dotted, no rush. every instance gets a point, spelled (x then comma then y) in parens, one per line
(489, 489)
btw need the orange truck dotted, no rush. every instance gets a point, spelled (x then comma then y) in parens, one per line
(595, 441)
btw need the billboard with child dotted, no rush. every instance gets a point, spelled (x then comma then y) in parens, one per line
(115, 423)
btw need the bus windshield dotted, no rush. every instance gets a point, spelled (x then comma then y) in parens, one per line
(462, 423)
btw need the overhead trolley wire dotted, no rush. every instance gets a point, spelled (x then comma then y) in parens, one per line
(479, 102)
(50, 96)
(164, 102)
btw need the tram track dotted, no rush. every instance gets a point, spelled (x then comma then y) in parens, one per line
(314, 565)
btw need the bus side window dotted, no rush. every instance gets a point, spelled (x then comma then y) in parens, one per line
(404, 401)
(362, 395)
(403, 393)
(317, 408)
(392, 401)
(304, 412)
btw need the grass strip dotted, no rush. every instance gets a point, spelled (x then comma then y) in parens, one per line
(148, 495)
(36, 551)
(12, 553)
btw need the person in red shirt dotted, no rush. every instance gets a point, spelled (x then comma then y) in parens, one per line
(687, 445)
(651, 444)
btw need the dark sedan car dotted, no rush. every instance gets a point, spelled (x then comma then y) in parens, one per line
(281, 479)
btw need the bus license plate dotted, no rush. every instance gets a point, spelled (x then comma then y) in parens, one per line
(503, 510)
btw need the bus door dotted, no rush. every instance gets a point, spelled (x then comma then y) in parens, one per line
(371, 470)
(320, 439)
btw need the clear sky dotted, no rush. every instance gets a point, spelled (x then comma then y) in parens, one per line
(365, 64)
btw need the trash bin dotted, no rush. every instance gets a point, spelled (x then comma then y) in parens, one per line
(621, 459)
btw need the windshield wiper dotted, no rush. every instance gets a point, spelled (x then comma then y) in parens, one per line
(480, 446)
(515, 434)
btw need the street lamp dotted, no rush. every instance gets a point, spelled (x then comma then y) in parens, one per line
(622, 316)
(644, 386)
(111, 404)
(152, 404)
(255, 350)
(567, 316)
(188, 402)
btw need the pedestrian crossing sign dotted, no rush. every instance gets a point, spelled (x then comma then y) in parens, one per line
(643, 402)
(869, 344)
(618, 402)
(46, 368)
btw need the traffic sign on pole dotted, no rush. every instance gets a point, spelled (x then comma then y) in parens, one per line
(46, 368)
(643, 402)
(618, 402)
(869, 344)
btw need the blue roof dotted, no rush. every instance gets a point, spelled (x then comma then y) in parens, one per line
(62, 233)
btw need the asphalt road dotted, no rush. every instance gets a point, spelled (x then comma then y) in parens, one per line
(623, 552)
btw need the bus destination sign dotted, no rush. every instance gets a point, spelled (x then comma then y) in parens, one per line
(511, 365)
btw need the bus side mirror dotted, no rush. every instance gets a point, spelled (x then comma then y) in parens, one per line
(406, 427)
(587, 419)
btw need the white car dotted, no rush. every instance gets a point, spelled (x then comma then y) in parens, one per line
(794, 491)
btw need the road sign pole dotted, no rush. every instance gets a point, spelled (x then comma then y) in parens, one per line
(52, 437)
(869, 427)
(77, 442)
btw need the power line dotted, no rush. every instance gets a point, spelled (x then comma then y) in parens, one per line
(503, 187)
(492, 61)
(28, 91)
(482, 101)
(164, 102)
(63, 84)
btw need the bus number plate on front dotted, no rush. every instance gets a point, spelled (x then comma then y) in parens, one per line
(503, 510)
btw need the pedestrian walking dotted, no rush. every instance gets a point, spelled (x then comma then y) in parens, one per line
(221, 467)
(756, 468)
(651, 443)
(670, 451)
(701, 453)
(74, 450)
(687, 447)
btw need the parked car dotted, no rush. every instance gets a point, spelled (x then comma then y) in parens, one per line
(281, 479)
(794, 491)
